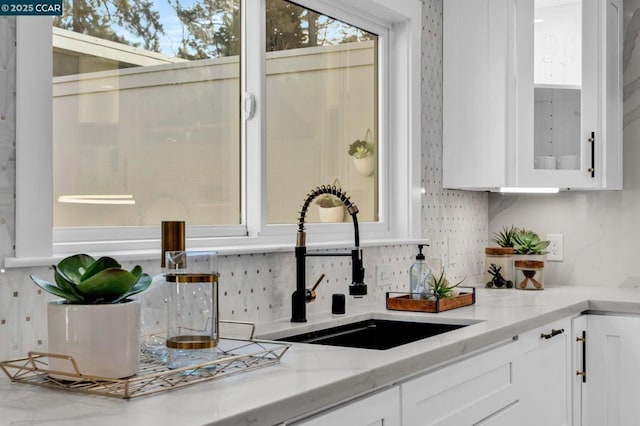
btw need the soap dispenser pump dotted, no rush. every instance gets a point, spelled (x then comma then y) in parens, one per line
(419, 276)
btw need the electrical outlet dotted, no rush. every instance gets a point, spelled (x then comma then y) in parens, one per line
(555, 249)
(384, 273)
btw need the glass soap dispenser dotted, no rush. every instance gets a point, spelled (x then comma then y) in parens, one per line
(419, 276)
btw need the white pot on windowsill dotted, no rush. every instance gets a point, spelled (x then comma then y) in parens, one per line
(365, 166)
(331, 214)
(102, 339)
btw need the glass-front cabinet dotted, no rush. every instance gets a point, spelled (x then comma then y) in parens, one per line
(553, 111)
(564, 94)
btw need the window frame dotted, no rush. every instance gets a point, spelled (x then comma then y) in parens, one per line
(400, 192)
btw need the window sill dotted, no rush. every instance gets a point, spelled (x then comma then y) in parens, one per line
(143, 255)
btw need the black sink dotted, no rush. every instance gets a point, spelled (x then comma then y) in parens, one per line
(373, 334)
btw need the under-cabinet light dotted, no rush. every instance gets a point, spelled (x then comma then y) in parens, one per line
(97, 199)
(532, 190)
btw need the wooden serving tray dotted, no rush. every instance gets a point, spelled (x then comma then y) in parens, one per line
(404, 302)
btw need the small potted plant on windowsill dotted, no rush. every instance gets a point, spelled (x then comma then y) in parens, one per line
(97, 324)
(362, 152)
(330, 209)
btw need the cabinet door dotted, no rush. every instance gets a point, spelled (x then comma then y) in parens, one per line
(579, 359)
(565, 53)
(543, 373)
(476, 113)
(382, 408)
(478, 390)
(557, 86)
(612, 389)
(508, 416)
(532, 94)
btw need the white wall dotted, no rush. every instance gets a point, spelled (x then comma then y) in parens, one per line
(601, 229)
(258, 287)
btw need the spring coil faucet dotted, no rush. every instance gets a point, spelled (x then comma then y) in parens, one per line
(301, 296)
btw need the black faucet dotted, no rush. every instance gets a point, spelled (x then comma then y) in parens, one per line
(302, 295)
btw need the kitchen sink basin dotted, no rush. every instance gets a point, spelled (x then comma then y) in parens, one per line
(378, 334)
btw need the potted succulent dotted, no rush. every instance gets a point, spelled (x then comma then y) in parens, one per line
(330, 208)
(505, 237)
(498, 265)
(527, 242)
(97, 324)
(362, 153)
(529, 259)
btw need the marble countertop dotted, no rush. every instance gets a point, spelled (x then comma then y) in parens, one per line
(310, 377)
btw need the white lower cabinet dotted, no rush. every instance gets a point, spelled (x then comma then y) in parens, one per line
(611, 391)
(478, 390)
(579, 326)
(543, 374)
(379, 409)
(523, 381)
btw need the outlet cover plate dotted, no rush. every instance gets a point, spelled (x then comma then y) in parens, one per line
(556, 248)
(384, 274)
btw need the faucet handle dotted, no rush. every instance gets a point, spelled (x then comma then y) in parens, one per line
(310, 295)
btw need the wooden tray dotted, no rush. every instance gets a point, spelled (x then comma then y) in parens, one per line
(404, 302)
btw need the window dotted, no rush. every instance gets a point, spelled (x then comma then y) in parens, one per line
(228, 136)
(146, 125)
(321, 95)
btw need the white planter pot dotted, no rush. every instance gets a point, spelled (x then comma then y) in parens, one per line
(365, 166)
(102, 339)
(331, 214)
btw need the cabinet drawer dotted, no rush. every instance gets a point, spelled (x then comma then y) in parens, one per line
(469, 392)
(382, 408)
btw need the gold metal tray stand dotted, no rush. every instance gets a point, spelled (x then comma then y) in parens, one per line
(235, 356)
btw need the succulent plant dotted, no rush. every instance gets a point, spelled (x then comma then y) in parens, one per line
(504, 238)
(440, 287)
(328, 200)
(360, 149)
(528, 242)
(80, 279)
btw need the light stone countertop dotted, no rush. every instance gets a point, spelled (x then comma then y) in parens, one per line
(310, 377)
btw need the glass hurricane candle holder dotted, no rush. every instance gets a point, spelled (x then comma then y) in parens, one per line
(193, 329)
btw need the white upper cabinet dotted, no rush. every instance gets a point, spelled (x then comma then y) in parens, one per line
(532, 94)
